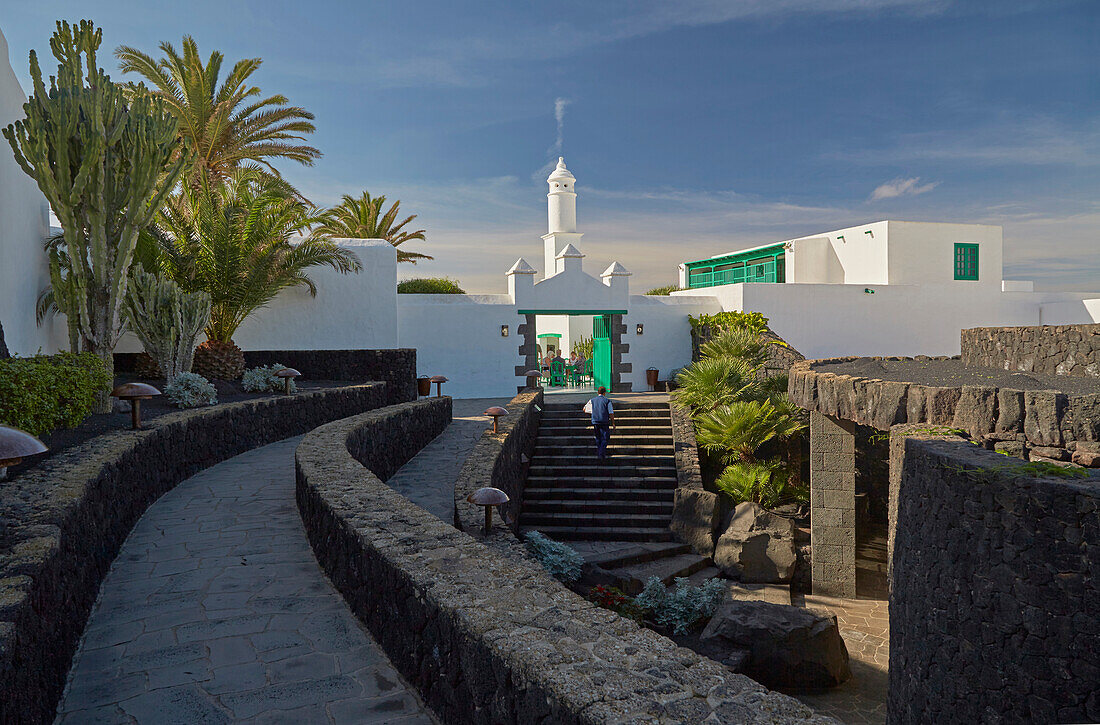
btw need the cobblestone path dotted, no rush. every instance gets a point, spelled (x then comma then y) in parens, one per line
(428, 479)
(215, 611)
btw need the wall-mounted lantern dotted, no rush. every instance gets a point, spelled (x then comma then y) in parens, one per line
(868, 291)
(504, 330)
(840, 238)
(639, 329)
(868, 231)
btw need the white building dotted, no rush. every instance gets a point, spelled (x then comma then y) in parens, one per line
(891, 288)
(887, 288)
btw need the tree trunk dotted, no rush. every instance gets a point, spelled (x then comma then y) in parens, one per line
(104, 403)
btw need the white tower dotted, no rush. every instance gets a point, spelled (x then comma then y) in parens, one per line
(561, 214)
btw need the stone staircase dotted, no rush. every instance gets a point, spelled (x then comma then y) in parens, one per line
(572, 496)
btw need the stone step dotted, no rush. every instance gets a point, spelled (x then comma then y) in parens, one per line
(618, 404)
(606, 468)
(605, 507)
(615, 448)
(579, 415)
(700, 577)
(596, 492)
(597, 520)
(604, 481)
(667, 569)
(596, 533)
(588, 458)
(548, 426)
(583, 436)
(637, 555)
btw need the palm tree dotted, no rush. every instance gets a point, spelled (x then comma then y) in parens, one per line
(227, 125)
(363, 218)
(242, 242)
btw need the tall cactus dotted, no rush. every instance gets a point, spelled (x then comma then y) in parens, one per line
(104, 163)
(166, 320)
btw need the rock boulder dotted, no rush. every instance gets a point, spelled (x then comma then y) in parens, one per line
(788, 646)
(757, 546)
(695, 518)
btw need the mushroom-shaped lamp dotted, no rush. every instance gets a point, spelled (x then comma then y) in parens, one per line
(488, 497)
(15, 445)
(496, 411)
(135, 393)
(438, 380)
(532, 374)
(287, 374)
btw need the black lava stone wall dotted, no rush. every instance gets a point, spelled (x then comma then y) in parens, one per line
(396, 367)
(996, 582)
(62, 524)
(1051, 349)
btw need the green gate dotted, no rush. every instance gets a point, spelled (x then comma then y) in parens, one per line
(601, 351)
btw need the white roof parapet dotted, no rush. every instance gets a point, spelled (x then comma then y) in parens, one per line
(569, 251)
(521, 267)
(616, 270)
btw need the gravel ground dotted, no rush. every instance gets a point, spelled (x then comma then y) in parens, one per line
(952, 373)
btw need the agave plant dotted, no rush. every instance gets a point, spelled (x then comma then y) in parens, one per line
(228, 125)
(363, 218)
(241, 242)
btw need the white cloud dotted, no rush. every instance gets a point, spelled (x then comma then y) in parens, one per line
(902, 187)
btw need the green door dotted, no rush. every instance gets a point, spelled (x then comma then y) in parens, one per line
(601, 351)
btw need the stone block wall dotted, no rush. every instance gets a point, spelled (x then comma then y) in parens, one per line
(696, 512)
(995, 587)
(396, 367)
(62, 523)
(497, 460)
(1051, 349)
(487, 638)
(833, 505)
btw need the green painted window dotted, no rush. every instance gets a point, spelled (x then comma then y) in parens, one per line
(966, 261)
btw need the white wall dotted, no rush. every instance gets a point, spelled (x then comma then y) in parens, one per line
(349, 312)
(1076, 312)
(862, 256)
(665, 342)
(24, 272)
(813, 261)
(459, 336)
(924, 252)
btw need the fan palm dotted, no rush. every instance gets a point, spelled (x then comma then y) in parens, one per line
(716, 381)
(363, 218)
(736, 431)
(737, 342)
(227, 125)
(234, 241)
(764, 482)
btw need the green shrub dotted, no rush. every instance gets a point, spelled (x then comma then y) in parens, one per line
(666, 290)
(190, 390)
(751, 321)
(430, 286)
(264, 380)
(563, 562)
(43, 393)
(682, 608)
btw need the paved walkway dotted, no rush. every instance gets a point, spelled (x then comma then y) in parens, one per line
(865, 626)
(215, 611)
(428, 479)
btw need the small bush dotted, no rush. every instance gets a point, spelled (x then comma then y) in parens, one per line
(264, 380)
(430, 286)
(666, 290)
(43, 393)
(563, 562)
(682, 608)
(190, 390)
(751, 321)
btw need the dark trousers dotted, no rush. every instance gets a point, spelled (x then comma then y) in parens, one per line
(602, 433)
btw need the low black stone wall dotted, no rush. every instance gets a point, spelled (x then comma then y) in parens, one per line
(487, 638)
(1051, 349)
(497, 460)
(396, 367)
(995, 589)
(62, 524)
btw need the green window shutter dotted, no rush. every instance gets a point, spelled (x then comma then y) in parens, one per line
(966, 261)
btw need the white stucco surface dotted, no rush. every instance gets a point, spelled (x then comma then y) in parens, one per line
(24, 272)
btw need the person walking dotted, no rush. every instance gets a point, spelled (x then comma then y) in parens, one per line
(603, 419)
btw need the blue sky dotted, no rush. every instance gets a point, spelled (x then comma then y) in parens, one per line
(693, 127)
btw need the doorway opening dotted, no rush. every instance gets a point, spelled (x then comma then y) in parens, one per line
(574, 350)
